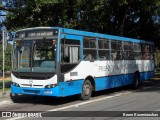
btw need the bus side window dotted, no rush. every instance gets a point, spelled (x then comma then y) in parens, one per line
(116, 50)
(114, 56)
(146, 51)
(70, 51)
(88, 57)
(104, 49)
(73, 54)
(70, 54)
(64, 54)
(137, 51)
(89, 50)
(128, 51)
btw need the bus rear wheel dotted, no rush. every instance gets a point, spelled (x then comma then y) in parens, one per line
(86, 90)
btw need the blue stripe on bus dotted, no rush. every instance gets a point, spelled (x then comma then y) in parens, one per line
(75, 87)
(35, 91)
(64, 89)
(99, 35)
(113, 81)
(146, 75)
(119, 80)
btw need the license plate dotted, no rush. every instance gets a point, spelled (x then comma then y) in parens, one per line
(47, 92)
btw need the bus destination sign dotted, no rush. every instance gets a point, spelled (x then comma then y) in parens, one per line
(36, 33)
(40, 34)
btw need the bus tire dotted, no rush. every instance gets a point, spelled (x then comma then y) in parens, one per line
(86, 90)
(14, 98)
(136, 81)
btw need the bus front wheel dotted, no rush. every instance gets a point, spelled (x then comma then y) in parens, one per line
(86, 90)
(14, 98)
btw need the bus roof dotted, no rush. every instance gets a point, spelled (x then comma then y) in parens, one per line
(89, 34)
(99, 35)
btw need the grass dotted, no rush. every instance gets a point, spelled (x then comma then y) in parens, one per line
(7, 85)
(157, 70)
(6, 89)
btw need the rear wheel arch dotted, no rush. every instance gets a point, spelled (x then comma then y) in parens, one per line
(91, 79)
(87, 88)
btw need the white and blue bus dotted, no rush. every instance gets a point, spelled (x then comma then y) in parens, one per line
(60, 62)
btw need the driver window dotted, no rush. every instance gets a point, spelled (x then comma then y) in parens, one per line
(70, 52)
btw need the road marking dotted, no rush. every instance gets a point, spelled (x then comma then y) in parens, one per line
(88, 102)
(78, 104)
(99, 99)
(5, 102)
(91, 101)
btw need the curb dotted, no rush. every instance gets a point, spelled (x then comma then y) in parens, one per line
(5, 102)
(5, 98)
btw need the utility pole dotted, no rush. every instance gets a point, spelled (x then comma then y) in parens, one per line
(4, 43)
(4, 46)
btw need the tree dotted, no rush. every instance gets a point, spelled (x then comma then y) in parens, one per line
(129, 18)
(157, 58)
(7, 58)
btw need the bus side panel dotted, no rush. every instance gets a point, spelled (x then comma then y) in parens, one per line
(146, 75)
(70, 87)
(113, 81)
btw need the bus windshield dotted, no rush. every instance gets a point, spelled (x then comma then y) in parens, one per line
(34, 55)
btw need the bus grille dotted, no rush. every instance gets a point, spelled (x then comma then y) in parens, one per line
(31, 91)
(33, 85)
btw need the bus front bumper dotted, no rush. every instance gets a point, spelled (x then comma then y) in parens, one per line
(36, 91)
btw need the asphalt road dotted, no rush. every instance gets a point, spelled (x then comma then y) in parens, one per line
(103, 105)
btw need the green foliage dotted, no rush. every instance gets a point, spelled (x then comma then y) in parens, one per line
(7, 58)
(130, 18)
(157, 58)
(7, 84)
(47, 2)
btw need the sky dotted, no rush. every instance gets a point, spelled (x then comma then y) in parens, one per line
(3, 17)
(3, 13)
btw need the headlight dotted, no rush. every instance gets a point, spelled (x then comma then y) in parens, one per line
(15, 84)
(51, 86)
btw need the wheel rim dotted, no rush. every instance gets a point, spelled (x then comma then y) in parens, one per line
(86, 89)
